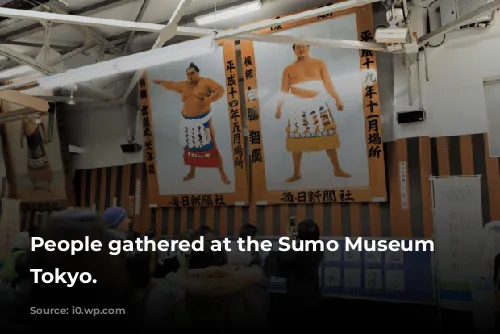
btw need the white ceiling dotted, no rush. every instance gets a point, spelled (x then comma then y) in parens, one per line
(68, 36)
(64, 37)
(27, 36)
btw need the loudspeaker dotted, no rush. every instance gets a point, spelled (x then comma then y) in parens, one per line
(131, 148)
(406, 117)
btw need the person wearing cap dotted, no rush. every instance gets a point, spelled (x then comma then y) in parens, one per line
(116, 219)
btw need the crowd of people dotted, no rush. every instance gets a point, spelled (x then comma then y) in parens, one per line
(147, 290)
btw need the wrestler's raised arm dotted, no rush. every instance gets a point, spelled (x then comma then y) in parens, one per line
(330, 88)
(169, 85)
(285, 88)
(216, 90)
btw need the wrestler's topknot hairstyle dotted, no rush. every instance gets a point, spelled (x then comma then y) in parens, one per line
(194, 67)
(293, 46)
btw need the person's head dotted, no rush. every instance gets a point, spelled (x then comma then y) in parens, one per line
(116, 218)
(33, 231)
(301, 50)
(206, 232)
(193, 73)
(308, 230)
(248, 230)
(189, 235)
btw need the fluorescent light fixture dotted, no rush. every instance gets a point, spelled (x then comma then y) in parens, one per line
(229, 13)
(137, 61)
(391, 35)
(17, 72)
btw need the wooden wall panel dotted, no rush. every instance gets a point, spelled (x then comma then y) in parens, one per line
(424, 157)
(102, 188)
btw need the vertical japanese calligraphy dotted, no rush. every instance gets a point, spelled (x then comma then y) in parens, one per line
(235, 114)
(251, 95)
(147, 130)
(314, 138)
(370, 94)
(195, 157)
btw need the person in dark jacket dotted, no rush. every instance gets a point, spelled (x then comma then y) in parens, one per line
(301, 270)
(162, 304)
(219, 257)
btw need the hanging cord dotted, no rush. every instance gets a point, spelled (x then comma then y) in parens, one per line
(429, 24)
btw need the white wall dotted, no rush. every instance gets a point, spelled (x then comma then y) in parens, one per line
(454, 97)
(492, 97)
(101, 131)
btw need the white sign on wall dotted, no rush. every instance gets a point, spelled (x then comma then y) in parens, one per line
(137, 210)
(458, 225)
(403, 182)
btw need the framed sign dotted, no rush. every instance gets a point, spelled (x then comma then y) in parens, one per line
(193, 132)
(313, 114)
(36, 156)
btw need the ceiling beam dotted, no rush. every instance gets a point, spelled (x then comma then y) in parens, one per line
(186, 19)
(96, 39)
(157, 28)
(36, 45)
(321, 42)
(79, 20)
(140, 15)
(129, 41)
(25, 60)
(87, 10)
(7, 22)
(169, 31)
(47, 69)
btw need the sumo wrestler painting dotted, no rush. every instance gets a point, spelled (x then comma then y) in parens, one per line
(34, 133)
(191, 126)
(311, 109)
(35, 154)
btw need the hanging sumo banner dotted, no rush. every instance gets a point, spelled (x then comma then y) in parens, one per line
(193, 131)
(313, 116)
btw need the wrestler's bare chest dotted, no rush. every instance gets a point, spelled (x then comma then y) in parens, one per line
(29, 127)
(304, 72)
(200, 90)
